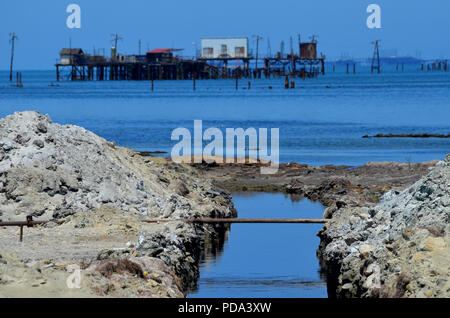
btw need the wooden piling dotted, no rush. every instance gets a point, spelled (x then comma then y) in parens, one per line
(12, 40)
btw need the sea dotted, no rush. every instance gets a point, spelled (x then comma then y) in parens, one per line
(321, 121)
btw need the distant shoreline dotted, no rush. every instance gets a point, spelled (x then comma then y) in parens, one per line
(408, 136)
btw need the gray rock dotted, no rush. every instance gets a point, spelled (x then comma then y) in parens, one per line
(42, 128)
(181, 189)
(6, 145)
(404, 225)
(38, 143)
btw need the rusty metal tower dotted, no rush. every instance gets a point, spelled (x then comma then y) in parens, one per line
(13, 38)
(376, 58)
(269, 48)
(257, 49)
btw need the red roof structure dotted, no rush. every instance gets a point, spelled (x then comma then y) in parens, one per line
(160, 51)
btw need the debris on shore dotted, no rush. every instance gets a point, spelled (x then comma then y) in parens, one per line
(94, 194)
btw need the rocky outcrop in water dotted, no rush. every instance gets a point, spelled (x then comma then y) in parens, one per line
(399, 248)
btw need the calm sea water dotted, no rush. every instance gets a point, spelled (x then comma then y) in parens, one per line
(321, 121)
(266, 260)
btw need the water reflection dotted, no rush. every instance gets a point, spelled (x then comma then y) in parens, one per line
(215, 238)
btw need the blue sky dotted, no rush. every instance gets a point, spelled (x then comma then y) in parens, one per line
(407, 26)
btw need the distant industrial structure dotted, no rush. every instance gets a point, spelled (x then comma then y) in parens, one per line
(226, 57)
(305, 64)
(397, 62)
(390, 58)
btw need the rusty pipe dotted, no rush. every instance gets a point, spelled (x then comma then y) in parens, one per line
(28, 223)
(235, 220)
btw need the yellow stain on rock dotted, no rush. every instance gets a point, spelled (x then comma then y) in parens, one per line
(419, 256)
(435, 243)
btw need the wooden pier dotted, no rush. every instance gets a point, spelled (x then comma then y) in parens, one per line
(134, 71)
(162, 64)
(187, 69)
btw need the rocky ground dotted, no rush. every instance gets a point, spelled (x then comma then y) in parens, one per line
(96, 195)
(399, 248)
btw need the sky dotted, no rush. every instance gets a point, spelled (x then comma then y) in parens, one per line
(411, 27)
